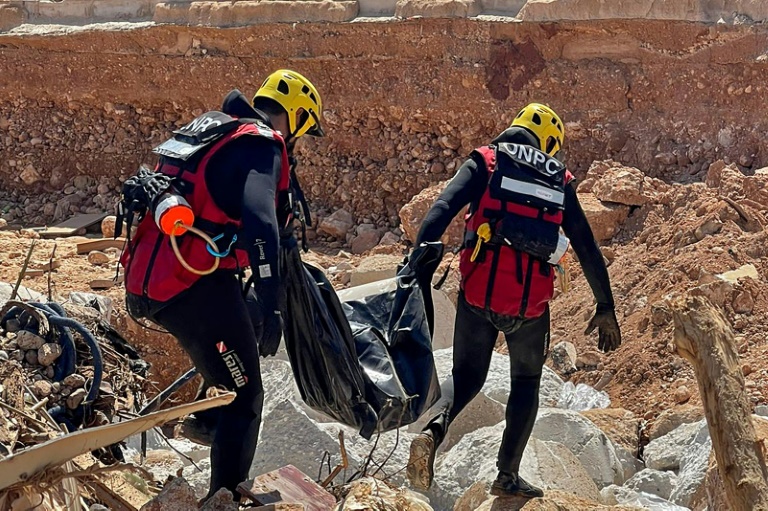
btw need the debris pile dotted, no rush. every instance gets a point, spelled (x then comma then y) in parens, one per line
(82, 375)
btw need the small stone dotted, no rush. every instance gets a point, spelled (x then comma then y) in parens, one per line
(3, 355)
(74, 380)
(743, 303)
(49, 372)
(26, 340)
(337, 224)
(76, 398)
(56, 387)
(564, 357)
(222, 500)
(108, 226)
(365, 240)
(389, 238)
(30, 175)
(31, 357)
(48, 353)
(18, 355)
(41, 388)
(98, 258)
(588, 360)
(66, 390)
(761, 410)
(682, 394)
(437, 168)
(746, 369)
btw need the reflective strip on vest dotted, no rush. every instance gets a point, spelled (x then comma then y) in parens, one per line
(542, 192)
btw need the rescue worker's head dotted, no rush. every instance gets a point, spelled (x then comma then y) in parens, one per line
(544, 124)
(288, 93)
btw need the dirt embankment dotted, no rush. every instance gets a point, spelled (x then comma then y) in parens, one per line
(405, 101)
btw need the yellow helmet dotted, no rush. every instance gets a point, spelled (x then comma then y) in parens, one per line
(294, 92)
(544, 123)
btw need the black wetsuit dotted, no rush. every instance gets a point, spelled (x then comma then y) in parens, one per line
(476, 329)
(242, 178)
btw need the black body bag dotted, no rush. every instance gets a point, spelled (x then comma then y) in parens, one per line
(366, 363)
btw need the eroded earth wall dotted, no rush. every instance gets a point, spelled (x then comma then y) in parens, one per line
(405, 100)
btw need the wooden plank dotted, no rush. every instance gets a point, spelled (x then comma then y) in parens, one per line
(107, 283)
(100, 244)
(57, 232)
(293, 487)
(25, 464)
(71, 226)
(46, 265)
(81, 221)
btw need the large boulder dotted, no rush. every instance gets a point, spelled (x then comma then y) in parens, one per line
(685, 10)
(665, 453)
(620, 425)
(581, 397)
(693, 469)
(618, 495)
(654, 482)
(375, 268)
(673, 418)
(553, 500)
(234, 14)
(617, 183)
(497, 383)
(367, 237)
(338, 224)
(549, 465)
(413, 213)
(604, 218)
(438, 8)
(590, 445)
(389, 450)
(289, 436)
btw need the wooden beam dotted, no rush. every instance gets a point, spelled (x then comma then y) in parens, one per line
(24, 465)
(86, 247)
(705, 339)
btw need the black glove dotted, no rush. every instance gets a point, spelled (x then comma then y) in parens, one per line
(269, 332)
(263, 300)
(609, 334)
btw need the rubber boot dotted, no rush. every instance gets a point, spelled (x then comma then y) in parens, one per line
(421, 463)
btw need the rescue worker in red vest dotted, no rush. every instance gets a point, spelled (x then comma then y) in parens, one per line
(520, 198)
(234, 168)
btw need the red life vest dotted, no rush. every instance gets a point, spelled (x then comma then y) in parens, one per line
(523, 207)
(151, 267)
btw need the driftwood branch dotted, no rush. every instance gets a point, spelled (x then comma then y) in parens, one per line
(704, 338)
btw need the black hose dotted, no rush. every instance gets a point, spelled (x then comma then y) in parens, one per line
(98, 364)
(67, 362)
(57, 317)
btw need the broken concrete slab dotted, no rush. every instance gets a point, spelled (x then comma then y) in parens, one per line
(290, 486)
